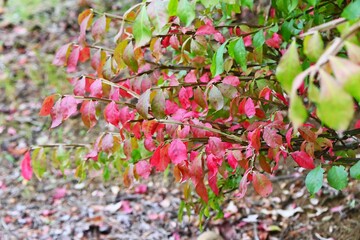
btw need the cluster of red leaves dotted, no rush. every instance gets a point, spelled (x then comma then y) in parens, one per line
(176, 122)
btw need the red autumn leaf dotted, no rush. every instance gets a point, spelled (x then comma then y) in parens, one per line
(254, 138)
(47, 105)
(264, 164)
(184, 97)
(262, 184)
(96, 89)
(206, 30)
(84, 54)
(249, 108)
(112, 114)
(61, 55)
(233, 162)
(56, 114)
(160, 159)
(211, 162)
(271, 138)
(303, 159)
(307, 134)
(197, 178)
(26, 169)
(88, 113)
(216, 147)
(274, 41)
(288, 137)
(177, 151)
(149, 127)
(143, 169)
(73, 59)
(68, 107)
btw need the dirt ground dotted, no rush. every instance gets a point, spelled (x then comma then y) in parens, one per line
(61, 207)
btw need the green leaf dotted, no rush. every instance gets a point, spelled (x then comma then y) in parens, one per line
(186, 12)
(209, 3)
(216, 99)
(259, 39)
(337, 177)
(142, 28)
(38, 162)
(352, 11)
(313, 46)
(289, 67)
(355, 171)
(217, 65)
(247, 3)
(129, 57)
(172, 7)
(286, 6)
(335, 107)
(313, 2)
(297, 111)
(237, 51)
(159, 16)
(348, 74)
(158, 105)
(106, 173)
(314, 180)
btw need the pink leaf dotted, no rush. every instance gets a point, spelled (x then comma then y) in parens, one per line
(68, 107)
(288, 137)
(191, 77)
(231, 80)
(262, 184)
(184, 96)
(73, 59)
(112, 113)
(61, 55)
(107, 142)
(233, 162)
(99, 27)
(274, 41)
(96, 89)
(213, 170)
(206, 30)
(177, 151)
(174, 42)
(26, 169)
(79, 87)
(271, 138)
(56, 114)
(216, 147)
(250, 108)
(303, 159)
(143, 169)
